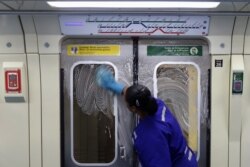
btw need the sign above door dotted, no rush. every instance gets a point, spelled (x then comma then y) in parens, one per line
(134, 25)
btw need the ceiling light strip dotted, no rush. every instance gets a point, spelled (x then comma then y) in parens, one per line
(132, 4)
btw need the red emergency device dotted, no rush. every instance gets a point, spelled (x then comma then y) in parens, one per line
(13, 81)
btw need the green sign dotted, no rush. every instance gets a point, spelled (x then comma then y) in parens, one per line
(174, 50)
(237, 87)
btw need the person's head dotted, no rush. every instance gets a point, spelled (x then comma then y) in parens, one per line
(139, 100)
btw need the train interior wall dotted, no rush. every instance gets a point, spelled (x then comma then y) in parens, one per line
(35, 121)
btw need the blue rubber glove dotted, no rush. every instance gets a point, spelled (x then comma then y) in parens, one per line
(105, 79)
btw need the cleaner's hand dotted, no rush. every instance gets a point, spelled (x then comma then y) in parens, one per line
(105, 79)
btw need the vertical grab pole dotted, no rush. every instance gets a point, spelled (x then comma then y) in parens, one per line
(135, 82)
(135, 60)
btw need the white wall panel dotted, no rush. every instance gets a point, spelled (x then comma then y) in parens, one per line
(235, 117)
(239, 34)
(35, 110)
(219, 35)
(50, 110)
(14, 122)
(245, 134)
(219, 111)
(247, 39)
(11, 40)
(29, 34)
(49, 33)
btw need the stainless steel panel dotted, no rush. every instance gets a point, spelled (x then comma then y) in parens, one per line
(97, 131)
(181, 79)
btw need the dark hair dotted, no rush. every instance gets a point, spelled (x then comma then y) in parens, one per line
(140, 97)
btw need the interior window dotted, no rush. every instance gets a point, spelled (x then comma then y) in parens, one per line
(177, 85)
(93, 117)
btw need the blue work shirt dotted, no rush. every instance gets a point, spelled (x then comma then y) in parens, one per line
(159, 142)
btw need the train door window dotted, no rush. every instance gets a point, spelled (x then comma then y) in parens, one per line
(93, 117)
(178, 85)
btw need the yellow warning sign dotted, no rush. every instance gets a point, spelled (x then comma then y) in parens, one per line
(93, 50)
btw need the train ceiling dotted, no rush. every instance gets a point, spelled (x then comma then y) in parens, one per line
(226, 7)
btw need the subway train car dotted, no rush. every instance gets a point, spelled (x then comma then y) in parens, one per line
(53, 113)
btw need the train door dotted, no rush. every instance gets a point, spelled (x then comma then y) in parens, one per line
(96, 126)
(178, 72)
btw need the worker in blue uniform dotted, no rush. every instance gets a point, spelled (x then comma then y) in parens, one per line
(158, 139)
